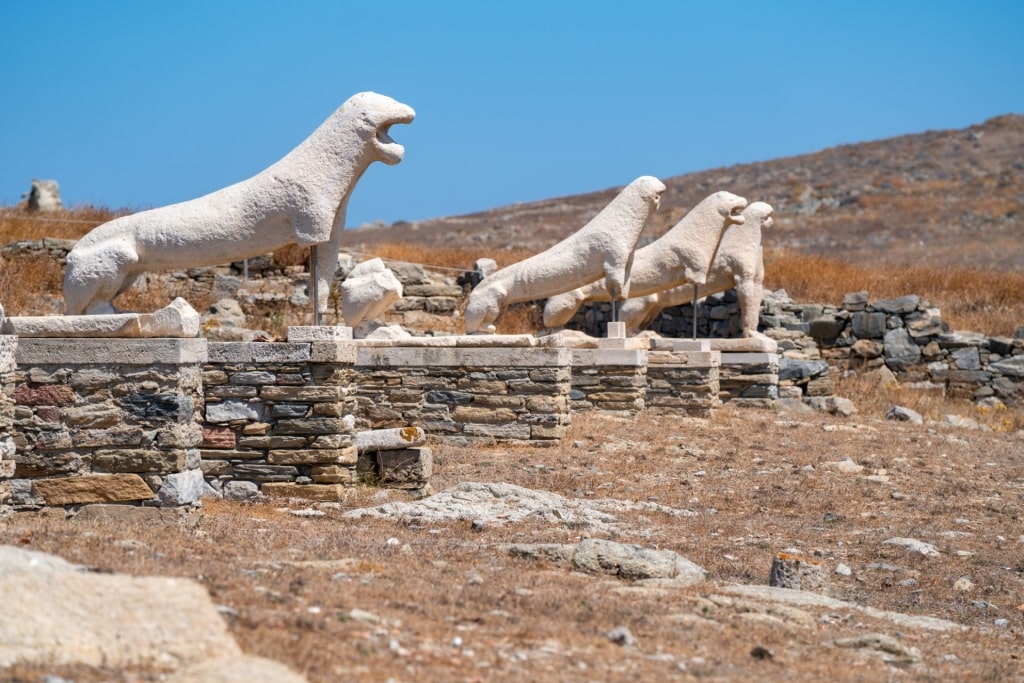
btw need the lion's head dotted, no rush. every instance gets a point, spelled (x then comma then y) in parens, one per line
(729, 206)
(760, 213)
(380, 112)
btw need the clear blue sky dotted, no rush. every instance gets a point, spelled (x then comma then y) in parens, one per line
(145, 103)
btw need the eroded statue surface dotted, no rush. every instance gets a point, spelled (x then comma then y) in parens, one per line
(300, 199)
(683, 254)
(368, 291)
(603, 248)
(739, 263)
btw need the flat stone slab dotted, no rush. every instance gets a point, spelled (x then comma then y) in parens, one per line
(808, 599)
(312, 333)
(55, 614)
(465, 341)
(669, 344)
(63, 351)
(176, 320)
(744, 345)
(503, 503)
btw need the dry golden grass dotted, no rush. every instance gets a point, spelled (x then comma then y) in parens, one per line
(974, 299)
(758, 482)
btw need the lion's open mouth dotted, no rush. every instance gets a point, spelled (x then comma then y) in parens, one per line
(391, 150)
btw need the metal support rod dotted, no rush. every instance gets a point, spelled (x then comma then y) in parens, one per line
(245, 269)
(615, 311)
(314, 286)
(695, 311)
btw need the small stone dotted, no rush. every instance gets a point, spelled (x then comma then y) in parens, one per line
(392, 542)
(621, 636)
(963, 584)
(913, 545)
(760, 652)
(1002, 623)
(904, 414)
(843, 570)
(478, 525)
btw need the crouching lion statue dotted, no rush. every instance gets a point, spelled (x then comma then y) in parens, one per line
(603, 248)
(683, 254)
(300, 199)
(739, 263)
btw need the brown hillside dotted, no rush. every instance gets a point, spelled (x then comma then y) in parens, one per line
(949, 198)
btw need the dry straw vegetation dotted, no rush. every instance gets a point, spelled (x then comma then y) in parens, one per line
(338, 601)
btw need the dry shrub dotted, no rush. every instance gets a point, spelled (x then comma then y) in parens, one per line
(876, 399)
(18, 224)
(970, 298)
(31, 285)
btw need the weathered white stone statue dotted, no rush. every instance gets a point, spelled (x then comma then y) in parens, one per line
(301, 200)
(739, 263)
(368, 291)
(683, 254)
(603, 248)
(44, 196)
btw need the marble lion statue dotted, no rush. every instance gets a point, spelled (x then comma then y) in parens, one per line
(603, 248)
(301, 199)
(683, 254)
(739, 263)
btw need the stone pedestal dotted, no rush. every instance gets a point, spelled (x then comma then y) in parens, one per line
(609, 379)
(107, 421)
(466, 389)
(749, 373)
(278, 419)
(682, 377)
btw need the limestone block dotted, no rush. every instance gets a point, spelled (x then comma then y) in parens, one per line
(229, 411)
(56, 615)
(368, 291)
(313, 456)
(240, 490)
(412, 467)
(798, 573)
(310, 394)
(310, 492)
(342, 352)
(177, 319)
(107, 352)
(97, 488)
(181, 488)
(312, 333)
(301, 200)
(389, 439)
(603, 248)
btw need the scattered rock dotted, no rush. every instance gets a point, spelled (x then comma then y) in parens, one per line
(904, 414)
(621, 636)
(888, 648)
(600, 556)
(913, 545)
(797, 573)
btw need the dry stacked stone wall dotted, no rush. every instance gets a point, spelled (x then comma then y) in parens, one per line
(609, 380)
(8, 346)
(278, 420)
(682, 381)
(467, 394)
(107, 421)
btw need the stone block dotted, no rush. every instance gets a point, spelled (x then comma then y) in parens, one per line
(466, 414)
(44, 395)
(99, 438)
(181, 488)
(498, 431)
(865, 325)
(138, 460)
(218, 437)
(310, 492)
(280, 352)
(336, 352)
(308, 394)
(313, 456)
(230, 411)
(332, 474)
(312, 425)
(95, 488)
(106, 352)
(318, 333)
